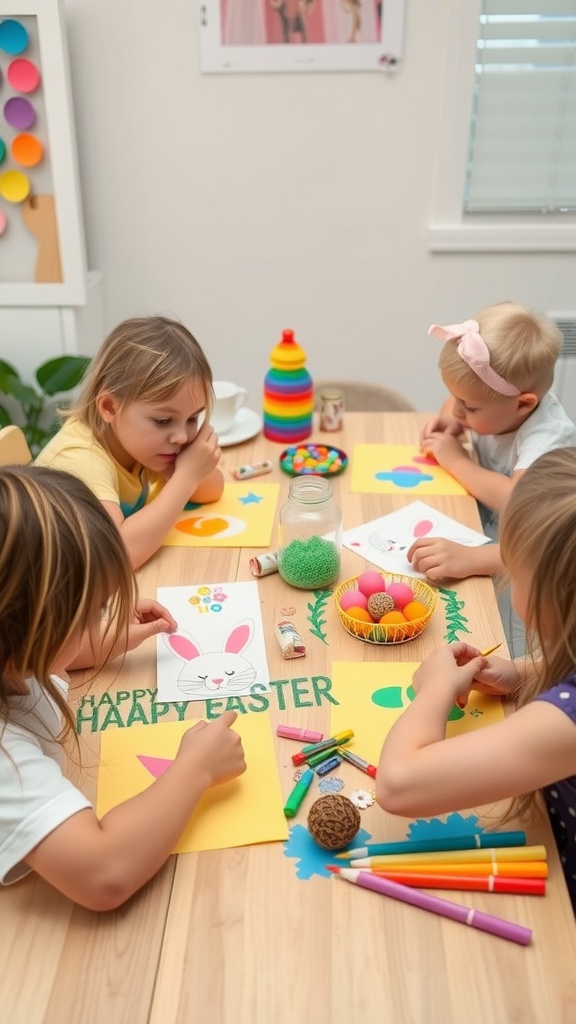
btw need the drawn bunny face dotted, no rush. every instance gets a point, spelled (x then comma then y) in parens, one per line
(207, 675)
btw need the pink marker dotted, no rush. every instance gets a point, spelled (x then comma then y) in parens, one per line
(291, 732)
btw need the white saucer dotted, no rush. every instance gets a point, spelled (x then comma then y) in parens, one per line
(247, 424)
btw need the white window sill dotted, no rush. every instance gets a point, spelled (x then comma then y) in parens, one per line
(502, 237)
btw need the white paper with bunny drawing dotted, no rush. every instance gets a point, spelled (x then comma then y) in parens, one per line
(385, 541)
(218, 649)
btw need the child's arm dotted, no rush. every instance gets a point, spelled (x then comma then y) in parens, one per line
(442, 559)
(149, 618)
(492, 489)
(100, 864)
(144, 532)
(421, 772)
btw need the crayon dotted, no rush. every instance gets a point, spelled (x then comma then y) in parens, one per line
(476, 841)
(292, 732)
(358, 762)
(455, 911)
(477, 883)
(298, 793)
(490, 650)
(494, 856)
(509, 869)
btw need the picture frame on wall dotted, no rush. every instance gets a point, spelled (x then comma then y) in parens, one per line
(300, 35)
(42, 248)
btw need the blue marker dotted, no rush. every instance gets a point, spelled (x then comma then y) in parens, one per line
(328, 765)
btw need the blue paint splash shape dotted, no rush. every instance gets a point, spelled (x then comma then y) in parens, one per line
(435, 828)
(312, 859)
(404, 476)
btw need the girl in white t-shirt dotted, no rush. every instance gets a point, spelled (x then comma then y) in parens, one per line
(61, 562)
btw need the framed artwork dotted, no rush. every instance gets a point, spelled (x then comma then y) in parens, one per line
(42, 252)
(300, 35)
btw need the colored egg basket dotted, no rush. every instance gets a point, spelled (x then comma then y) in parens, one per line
(392, 633)
(313, 460)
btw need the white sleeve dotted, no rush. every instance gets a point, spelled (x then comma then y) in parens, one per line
(35, 798)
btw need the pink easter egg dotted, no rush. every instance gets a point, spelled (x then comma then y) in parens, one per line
(401, 594)
(353, 599)
(371, 582)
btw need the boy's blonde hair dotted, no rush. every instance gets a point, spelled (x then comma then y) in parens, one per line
(144, 359)
(538, 533)
(524, 347)
(61, 560)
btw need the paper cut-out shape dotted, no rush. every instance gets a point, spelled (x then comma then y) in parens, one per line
(246, 810)
(243, 517)
(386, 540)
(218, 651)
(155, 765)
(392, 468)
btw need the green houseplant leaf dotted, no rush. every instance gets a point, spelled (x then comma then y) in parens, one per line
(54, 377)
(61, 374)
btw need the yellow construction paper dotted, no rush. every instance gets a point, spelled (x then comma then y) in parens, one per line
(246, 810)
(426, 478)
(243, 518)
(353, 686)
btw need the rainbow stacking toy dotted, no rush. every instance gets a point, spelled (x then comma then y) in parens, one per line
(288, 393)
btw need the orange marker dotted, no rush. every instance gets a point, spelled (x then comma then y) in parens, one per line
(509, 869)
(477, 883)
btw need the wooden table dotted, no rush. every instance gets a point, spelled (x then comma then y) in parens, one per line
(233, 936)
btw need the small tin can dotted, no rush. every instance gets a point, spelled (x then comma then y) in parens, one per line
(331, 409)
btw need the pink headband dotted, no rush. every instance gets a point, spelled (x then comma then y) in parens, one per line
(475, 352)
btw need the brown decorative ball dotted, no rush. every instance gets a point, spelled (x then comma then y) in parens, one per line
(379, 604)
(333, 821)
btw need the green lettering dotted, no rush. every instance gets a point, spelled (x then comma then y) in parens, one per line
(89, 698)
(214, 708)
(298, 692)
(137, 695)
(322, 686)
(81, 718)
(113, 717)
(181, 709)
(158, 710)
(235, 704)
(106, 698)
(122, 695)
(279, 685)
(258, 702)
(137, 715)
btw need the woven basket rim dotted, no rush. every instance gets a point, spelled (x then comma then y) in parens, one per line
(416, 626)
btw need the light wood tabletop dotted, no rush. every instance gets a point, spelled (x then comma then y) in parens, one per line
(234, 936)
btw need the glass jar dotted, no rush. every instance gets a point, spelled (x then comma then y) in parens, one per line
(310, 535)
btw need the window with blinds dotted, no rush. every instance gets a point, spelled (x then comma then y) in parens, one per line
(522, 146)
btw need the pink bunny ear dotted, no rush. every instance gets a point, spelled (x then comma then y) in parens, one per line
(422, 527)
(239, 638)
(182, 646)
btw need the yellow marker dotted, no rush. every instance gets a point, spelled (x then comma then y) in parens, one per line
(490, 650)
(499, 855)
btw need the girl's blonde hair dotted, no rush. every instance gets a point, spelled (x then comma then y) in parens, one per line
(538, 533)
(144, 359)
(61, 560)
(524, 347)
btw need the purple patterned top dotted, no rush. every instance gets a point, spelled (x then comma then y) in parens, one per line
(561, 797)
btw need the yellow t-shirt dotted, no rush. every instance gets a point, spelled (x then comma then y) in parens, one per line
(75, 450)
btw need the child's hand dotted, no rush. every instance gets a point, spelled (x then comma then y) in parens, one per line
(451, 670)
(150, 617)
(441, 559)
(446, 449)
(201, 456)
(216, 749)
(440, 425)
(499, 677)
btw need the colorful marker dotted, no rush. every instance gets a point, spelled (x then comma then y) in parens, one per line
(315, 759)
(328, 765)
(292, 732)
(477, 883)
(358, 762)
(455, 911)
(298, 793)
(476, 841)
(488, 856)
(315, 748)
(247, 472)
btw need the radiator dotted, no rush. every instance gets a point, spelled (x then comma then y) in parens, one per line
(565, 376)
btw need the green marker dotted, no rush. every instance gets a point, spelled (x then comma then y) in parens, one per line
(298, 793)
(314, 759)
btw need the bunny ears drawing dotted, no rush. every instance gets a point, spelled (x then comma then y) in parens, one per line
(207, 674)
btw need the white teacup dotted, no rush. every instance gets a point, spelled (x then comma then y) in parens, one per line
(228, 399)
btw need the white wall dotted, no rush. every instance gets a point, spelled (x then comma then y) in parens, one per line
(248, 203)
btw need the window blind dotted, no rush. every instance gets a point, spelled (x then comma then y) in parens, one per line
(522, 148)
